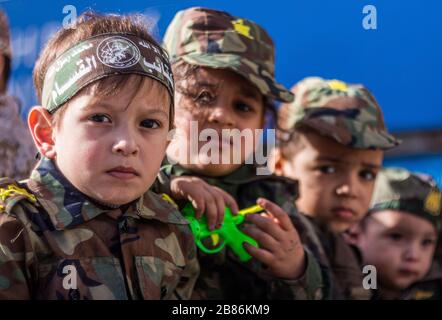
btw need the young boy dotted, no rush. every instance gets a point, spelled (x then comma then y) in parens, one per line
(224, 70)
(83, 225)
(331, 139)
(17, 151)
(399, 234)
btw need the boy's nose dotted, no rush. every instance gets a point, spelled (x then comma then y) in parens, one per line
(222, 116)
(126, 146)
(347, 187)
(412, 252)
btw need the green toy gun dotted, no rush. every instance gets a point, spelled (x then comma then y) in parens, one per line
(229, 232)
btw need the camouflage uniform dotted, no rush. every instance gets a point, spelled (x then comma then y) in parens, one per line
(49, 230)
(223, 276)
(216, 39)
(417, 194)
(17, 149)
(350, 115)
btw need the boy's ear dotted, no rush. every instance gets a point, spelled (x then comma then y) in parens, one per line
(276, 162)
(40, 125)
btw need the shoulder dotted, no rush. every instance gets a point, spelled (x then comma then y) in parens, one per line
(13, 193)
(160, 207)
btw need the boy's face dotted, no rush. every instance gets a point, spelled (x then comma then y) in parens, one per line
(400, 245)
(111, 148)
(215, 99)
(336, 182)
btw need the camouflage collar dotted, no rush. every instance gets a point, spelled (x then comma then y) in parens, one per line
(67, 207)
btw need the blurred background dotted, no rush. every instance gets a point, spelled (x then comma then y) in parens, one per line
(399, 61)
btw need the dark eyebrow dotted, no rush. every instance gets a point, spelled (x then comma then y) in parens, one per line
(157, 111)
(330, 159)
(338, 160)
(249, 92)
(104, 105)
(206, 84)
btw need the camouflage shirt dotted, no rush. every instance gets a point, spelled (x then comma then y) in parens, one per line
(223, 276)
(58, 244)
(17, 151)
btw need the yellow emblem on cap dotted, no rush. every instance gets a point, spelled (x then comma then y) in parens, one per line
(338, 85)
(12, 190)
(241, 28)
(433, 202)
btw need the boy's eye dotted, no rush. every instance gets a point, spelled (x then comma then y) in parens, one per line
(395, 236)
(327, 169)
(101, 118)
(150, 124)
(428, 242)
(205, 97)
(243, 107)
(368, 175)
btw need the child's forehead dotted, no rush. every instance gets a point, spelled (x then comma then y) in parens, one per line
(326, 149)
(141, 93)
(405, 221)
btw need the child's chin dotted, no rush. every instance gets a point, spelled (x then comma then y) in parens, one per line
(117, 199)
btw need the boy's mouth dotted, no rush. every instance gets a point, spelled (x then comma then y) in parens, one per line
(344, 213)
(124, 173)
(408, 272)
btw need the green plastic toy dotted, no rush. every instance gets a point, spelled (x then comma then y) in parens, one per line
(229, 232)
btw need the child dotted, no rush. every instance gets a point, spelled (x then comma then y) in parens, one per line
(331, 139)
(17, 151)
(224, 70)
(83, 225)
(399, 234)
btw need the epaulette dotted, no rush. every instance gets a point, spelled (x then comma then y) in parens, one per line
(11, 194)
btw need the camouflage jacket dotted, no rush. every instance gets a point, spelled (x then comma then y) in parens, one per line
(58, 244)
(345, 262)
(17, 151)
(223, 276)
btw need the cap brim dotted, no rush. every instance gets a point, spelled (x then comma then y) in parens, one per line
(371, 138)
(244, 67)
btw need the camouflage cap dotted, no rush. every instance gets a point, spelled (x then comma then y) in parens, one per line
(215, 39)
(5, 43)
(399, 189)
(347, 113)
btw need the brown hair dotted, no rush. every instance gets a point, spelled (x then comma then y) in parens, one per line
(87, 25)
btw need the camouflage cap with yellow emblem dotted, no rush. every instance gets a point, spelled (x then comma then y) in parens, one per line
(399, 189)
(347, 113)
(216, 39)
(5, 42)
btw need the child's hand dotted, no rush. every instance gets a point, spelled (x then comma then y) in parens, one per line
(280, 247)
(204, 198)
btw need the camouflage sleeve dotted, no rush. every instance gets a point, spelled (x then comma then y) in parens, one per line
(310, 286)
(15, 257)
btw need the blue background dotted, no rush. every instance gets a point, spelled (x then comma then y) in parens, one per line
(400, 61)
